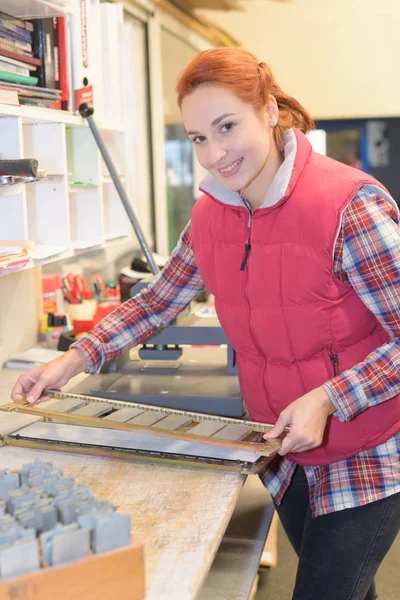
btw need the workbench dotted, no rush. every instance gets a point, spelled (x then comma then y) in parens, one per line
(203, 531)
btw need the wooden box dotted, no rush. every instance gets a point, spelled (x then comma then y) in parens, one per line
(115, 575)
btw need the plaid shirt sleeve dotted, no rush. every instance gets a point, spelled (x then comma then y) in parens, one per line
(142, 316)
(367, 256)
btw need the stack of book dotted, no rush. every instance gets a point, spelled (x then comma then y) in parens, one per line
(30, 62)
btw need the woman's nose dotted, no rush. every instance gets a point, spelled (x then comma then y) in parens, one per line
(216, 154)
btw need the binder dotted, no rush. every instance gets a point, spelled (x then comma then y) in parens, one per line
(81, 79)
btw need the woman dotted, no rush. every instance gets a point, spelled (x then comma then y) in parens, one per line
(302, 255)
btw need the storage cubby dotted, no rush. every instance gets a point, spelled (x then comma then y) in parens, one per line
(83, 163)
(13, 225)
(46, 143)
(48, 217)
(11, 138)
(86, 217)
(116, 222)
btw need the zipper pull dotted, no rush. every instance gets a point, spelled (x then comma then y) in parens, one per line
(335, 362)
(247, 248)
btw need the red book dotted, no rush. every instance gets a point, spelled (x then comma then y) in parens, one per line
(30, 60)
(63, 83)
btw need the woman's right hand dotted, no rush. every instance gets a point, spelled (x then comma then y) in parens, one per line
(55, 374)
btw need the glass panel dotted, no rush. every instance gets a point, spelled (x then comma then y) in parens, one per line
(178, 148)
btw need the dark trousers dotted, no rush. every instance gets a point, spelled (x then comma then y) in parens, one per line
(339, 553)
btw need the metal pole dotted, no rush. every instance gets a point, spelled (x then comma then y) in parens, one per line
(87, 111)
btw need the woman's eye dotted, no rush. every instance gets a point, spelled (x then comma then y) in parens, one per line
(198, 139)
(227, 127)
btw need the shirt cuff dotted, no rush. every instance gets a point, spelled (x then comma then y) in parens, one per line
(347, 395)
(93, 353)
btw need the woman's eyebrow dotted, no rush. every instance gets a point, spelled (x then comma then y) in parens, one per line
(215, 122)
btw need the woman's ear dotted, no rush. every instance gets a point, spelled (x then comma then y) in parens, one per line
(273, 111)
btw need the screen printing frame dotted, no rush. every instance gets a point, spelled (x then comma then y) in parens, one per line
(264, 450)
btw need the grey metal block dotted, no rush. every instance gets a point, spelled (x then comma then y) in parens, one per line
(46, 539)
(147, 419)
(111, 532)
(174, 422)
(18, 497)
(206, 428)
(22, 557)
(93, 409)
(47, 517)
(67, 512)
(67, 405)
(29, 518)
(8, 482)
(124, 414)
(70, 545)
(233, 432)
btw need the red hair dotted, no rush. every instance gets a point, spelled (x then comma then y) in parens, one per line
(237, 70)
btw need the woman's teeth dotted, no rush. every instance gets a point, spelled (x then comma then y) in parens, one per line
(235, 164)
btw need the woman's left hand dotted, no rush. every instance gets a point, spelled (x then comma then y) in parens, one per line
(306, 418)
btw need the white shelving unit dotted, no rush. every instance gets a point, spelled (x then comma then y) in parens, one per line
(76, 207)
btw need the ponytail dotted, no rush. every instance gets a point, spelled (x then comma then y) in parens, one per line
(291, 112)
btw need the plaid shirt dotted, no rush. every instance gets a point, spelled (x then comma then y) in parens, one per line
(366, 256)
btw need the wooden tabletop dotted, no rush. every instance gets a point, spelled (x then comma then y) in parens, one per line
(180, 514)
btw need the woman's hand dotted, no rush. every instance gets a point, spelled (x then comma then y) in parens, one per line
(54, 374)
(306, 418)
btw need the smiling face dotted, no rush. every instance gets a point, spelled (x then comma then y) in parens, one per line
(231, 140)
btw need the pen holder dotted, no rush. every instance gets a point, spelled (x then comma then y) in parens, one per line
(83, 311)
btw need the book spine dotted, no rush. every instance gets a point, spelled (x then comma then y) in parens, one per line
(17, 78)
(43, 44)
(22, 58)
(15, 43)
(18, 63)
(24, 24)
(9, 68)
(19, 32)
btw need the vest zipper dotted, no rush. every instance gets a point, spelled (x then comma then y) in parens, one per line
(247, 245)
(335, 362)
(247, 248)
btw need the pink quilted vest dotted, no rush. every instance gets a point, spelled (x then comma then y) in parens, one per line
(291, 323)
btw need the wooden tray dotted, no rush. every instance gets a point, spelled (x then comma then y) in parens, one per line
(116, 575)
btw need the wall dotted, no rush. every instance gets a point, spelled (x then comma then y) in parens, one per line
(339, 58)
(18, 312)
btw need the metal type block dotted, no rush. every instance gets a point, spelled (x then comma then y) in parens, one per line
(174, 422)
(147, 419)
(70, 545)
(8, 482)
(124, 414)
(233, 432)
(111, 532)
(206, 428)
(67, 405)
(93, 409)
(22, 557)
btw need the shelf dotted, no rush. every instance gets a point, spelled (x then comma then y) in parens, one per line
(43, 252)
(75, 188)
(35, 114)
(31, 9)
(82, 245)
